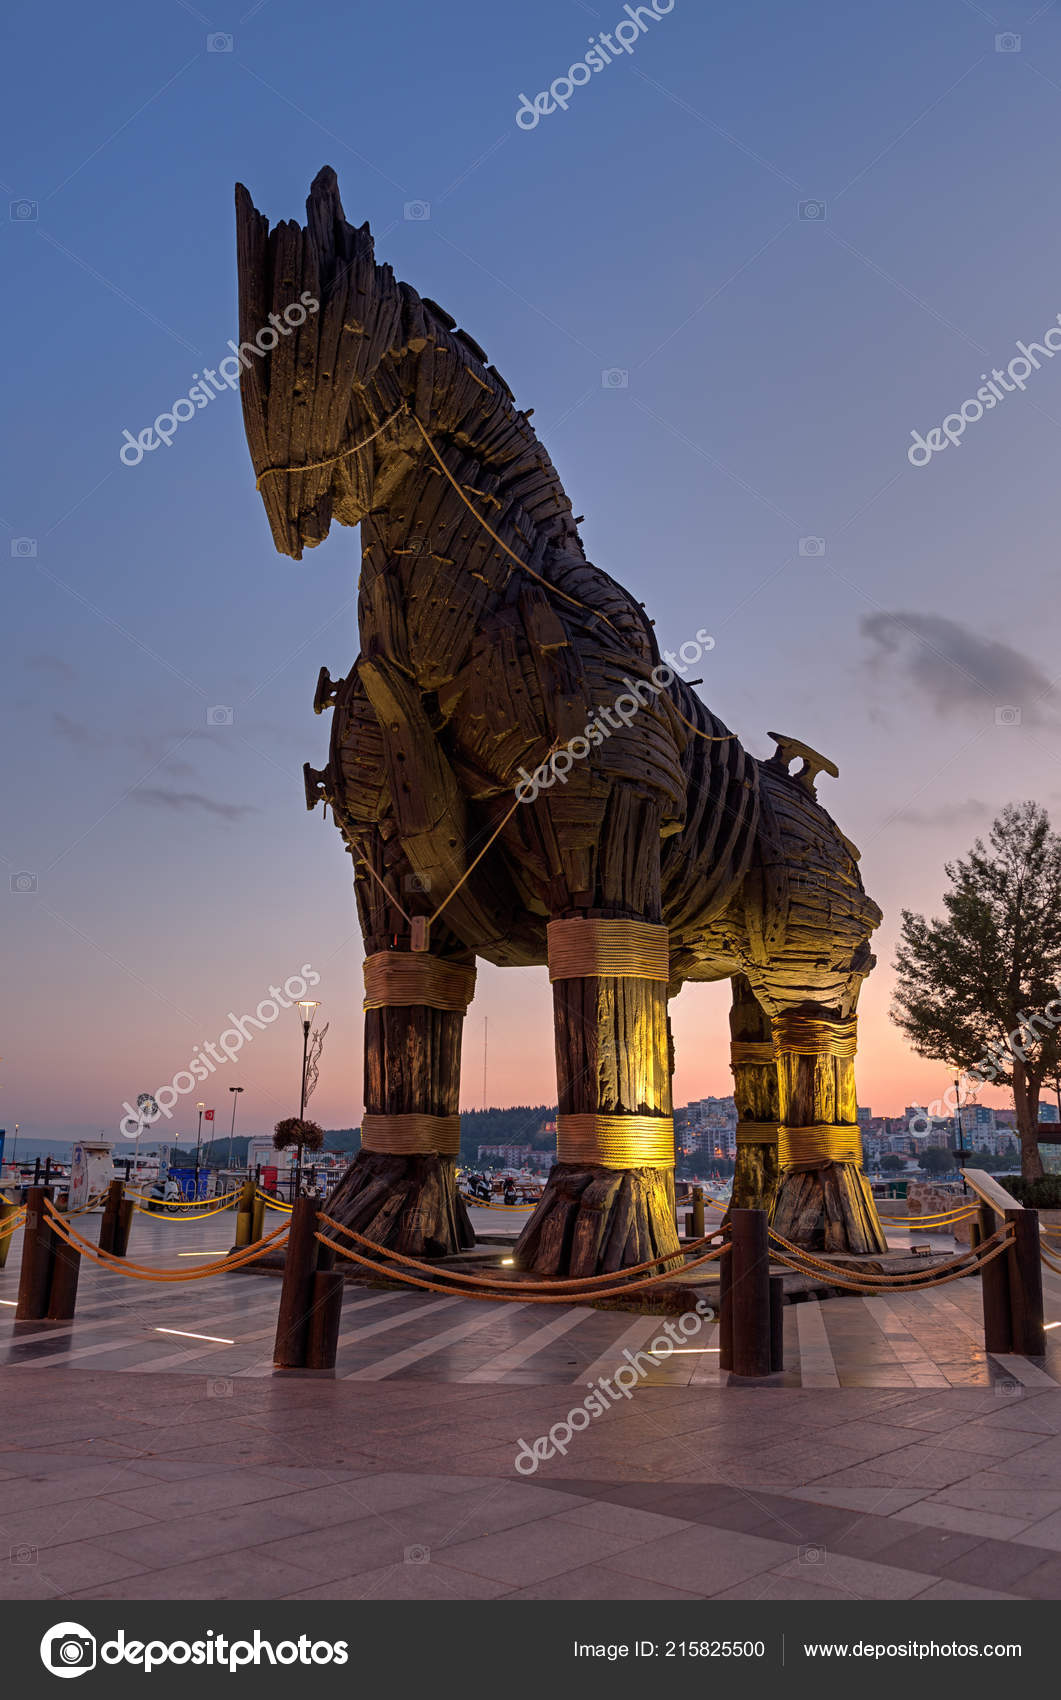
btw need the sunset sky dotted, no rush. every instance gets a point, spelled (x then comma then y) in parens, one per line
(159, 868)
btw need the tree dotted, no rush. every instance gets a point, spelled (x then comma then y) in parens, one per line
(934, 1161)
(293, 1130)
(892, 1161)
(978, 989)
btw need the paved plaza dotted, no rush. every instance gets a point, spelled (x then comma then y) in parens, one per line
(892, 1459)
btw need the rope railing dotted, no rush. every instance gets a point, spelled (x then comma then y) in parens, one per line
(862, 1281)
(179, 1221)
(185, 1204)
(12, 1224)
(142, 1272)
(515, 1291)
(272, 1203)
(491, 1204)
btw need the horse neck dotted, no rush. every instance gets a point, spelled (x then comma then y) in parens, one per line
(456, 507)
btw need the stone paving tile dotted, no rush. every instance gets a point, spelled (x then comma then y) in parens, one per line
(946, 1590)
(203, 1537)
(544, 1548)
(430, 1581)
(1043, 1583)
(868, 1492)
(941, 1515)
(927, 1465)
(998, 1564)
(702, 1559)
(931, 1550)
(54, 1525)
(863, 1579)
(622, 1520)
(77, 1564)
(1046, 1533)
(244, 1575)
(773, 1587)
(592, 1582)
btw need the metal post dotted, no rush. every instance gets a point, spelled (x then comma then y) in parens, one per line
(323, 1334)
(1026, 1284)
(7, 1210)
(750, 1293)
(235, 1090)
(725, 1309)
(62, 1294)
(38, 1250)
(994, 1287)
(698, 1212)
(300, 1266)
(109, 1228)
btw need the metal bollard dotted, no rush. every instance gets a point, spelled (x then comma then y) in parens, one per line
(1026, 1285)
(62, 1296)
(109, 1222)
(994, 1288)
(257, 1228)
(296, 1297)
(38, 1251)
(323, 1335)
(749, 1295)
(725, 1309)
(698, 1212)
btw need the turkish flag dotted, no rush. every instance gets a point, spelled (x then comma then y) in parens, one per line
(208, 1115)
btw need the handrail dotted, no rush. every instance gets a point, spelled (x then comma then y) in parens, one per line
(987, 1188)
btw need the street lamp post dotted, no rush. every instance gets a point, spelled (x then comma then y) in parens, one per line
(235, 1090)
(198, 1146)
(14, 1148)
(960, 1153)
(306, 1008)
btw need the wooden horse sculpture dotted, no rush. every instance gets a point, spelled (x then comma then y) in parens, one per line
(519, 776)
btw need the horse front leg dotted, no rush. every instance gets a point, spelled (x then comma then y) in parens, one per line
(609, 1201)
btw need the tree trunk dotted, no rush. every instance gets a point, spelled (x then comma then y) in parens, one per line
(1026, 1100)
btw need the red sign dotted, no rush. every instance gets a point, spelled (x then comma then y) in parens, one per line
(208, 1115)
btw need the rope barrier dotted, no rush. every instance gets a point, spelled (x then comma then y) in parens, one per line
(163, 1216)
(12, 1224)
(827, 1268)
(957, 1268)
(184, 1204)
(584, 1283)
(490, 1204)
(140, 1271)
(273, 1203)
(510, 1294)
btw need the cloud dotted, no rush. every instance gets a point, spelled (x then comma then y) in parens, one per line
(51, 664)
(946, 814)
(156, 797)
(82, 737)
(956, 669)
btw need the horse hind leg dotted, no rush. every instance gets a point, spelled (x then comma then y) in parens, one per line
(823, 1201)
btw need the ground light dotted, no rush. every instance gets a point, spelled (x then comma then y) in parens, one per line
(186, 1335)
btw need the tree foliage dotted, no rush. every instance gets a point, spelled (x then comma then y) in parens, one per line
(294, 1131)
(977, 989)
